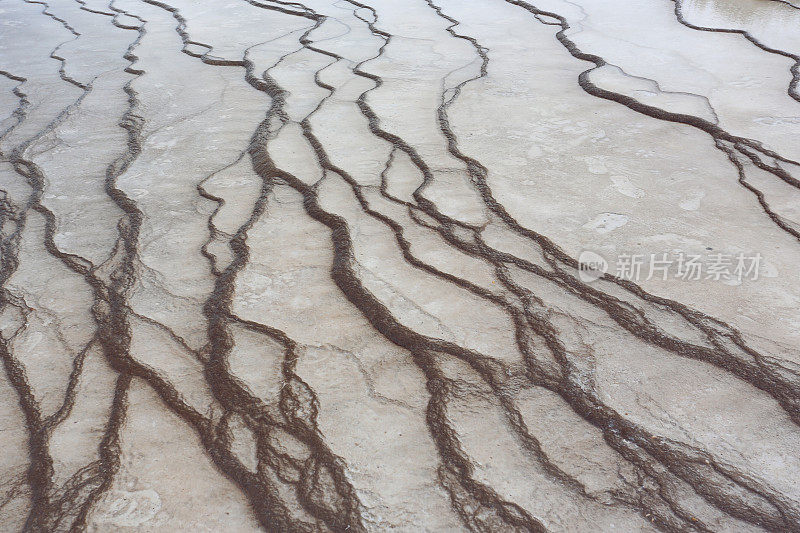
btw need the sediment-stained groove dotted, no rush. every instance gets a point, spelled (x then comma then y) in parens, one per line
(794, 69)
(744, 145)
(478, 172)
(55, 508)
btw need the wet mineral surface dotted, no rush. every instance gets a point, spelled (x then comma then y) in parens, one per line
(430, 265)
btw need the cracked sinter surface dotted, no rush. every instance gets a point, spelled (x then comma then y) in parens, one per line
(420, 265)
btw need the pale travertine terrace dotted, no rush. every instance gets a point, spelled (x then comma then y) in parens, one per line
(314, 266)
